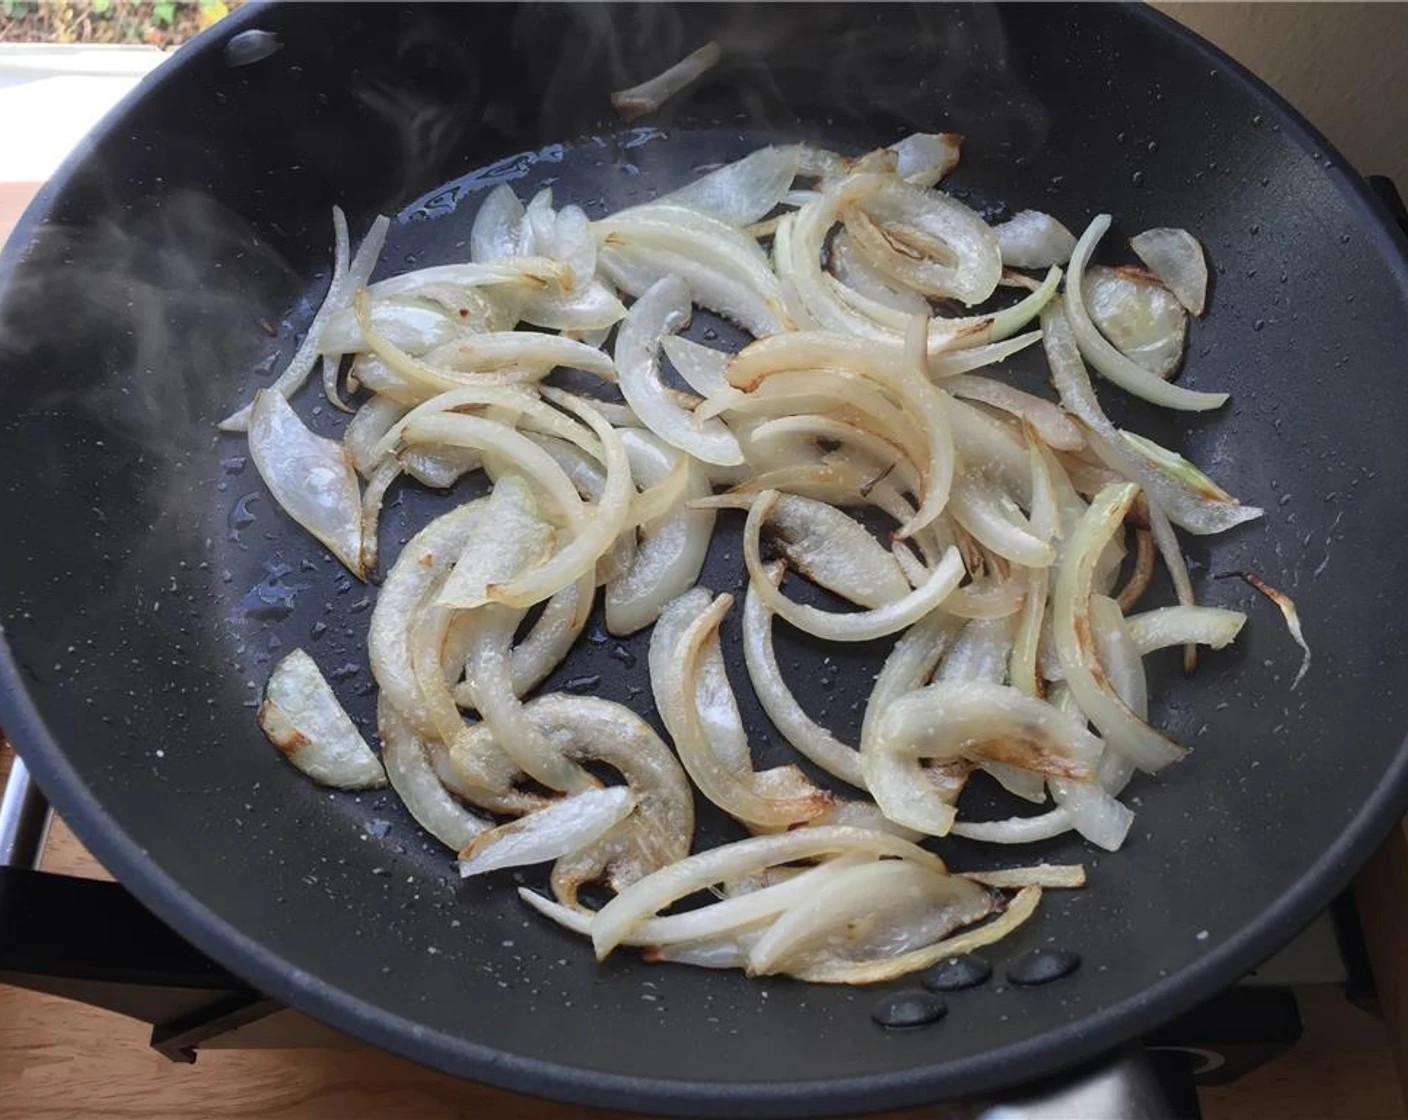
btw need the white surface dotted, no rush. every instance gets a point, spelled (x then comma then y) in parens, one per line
(51, 95)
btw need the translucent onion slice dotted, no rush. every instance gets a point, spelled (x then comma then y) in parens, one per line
(645, 98)
(1173, 626)
(1046, 525)
(1168, 489)
(409, 326)
(874, 910)
(1184, 473)
(520, 538)
(498, 231)
(995, 521)
(367, 428)
(1139, 316)
(489, 675)
(1018, 912)
(981, 722)
(657, 832)
(1093, 811)
(898, 783)
(661, 310)
(1031, 239)
(742, 192)
(1123, 730)
(714, 699)
(980, 653)
(619, 918)
(672, 548)
(416, 784)
(885, 368)
(1050, 423)
(339, 294)
(302, 717)
(724, 268)
(799, 729)
(702, 367)
(1108, 361)
(1049, 876)
(1176, 258)
(311, 478)
(674, 677)
(927, 241)
(836, 552)
(855, 274)
(923, 158)
(858, 626)
(548, 834)
(728, 916)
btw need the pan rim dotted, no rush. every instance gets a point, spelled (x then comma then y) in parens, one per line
(1041, 1055)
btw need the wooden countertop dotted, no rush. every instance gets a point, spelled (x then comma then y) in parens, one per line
(64, 1061)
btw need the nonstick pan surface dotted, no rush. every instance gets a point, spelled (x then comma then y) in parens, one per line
(147, 583)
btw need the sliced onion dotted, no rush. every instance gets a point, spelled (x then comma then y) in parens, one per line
(701, 366)
(416, 784)
(489, 675)
(672, 548)
(302, 717)
(724, 268)
(858, 626)
(886, 368)
(1176, 258)
(1108, 361)
(994, 519)
(587, 729)
(836, 552)
(923, 158)
(520, 538)
(719, 919)
(1286, 605)
(498, 231)
(1018, 911)
(981, 722)
(311, 478)
(807, 736)
(1194, 511)
(640, 100)
(980, 653)
(674, 677)
(1124, 731)
(926, 240)
(1184, 473)
(338, 296)
(742, 192)
(1139, 316)
(548, 834)
(619, 918)
(855, 274)
(367, 428)
(1055, 428)
(1048, 876)
(875, 910)
(409, 326)
(661, 310)
(1031, 239)
(1172, 626)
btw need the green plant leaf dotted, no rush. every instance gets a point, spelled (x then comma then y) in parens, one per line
(101, 7)
(164, 13)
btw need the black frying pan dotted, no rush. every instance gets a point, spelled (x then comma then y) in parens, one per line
(142, 606)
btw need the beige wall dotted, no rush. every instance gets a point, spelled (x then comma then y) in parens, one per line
(1345, 66)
